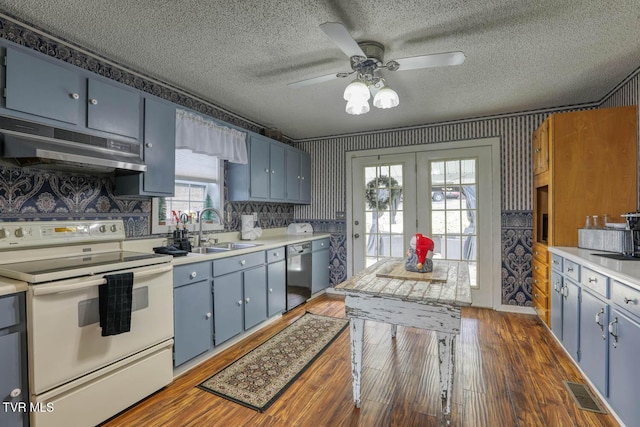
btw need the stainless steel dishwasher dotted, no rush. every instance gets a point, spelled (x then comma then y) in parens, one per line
(298, 274)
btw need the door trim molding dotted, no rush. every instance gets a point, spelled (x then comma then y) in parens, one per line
(494, 144)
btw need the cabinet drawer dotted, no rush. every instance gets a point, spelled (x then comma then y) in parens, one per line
(556, 262)
(539, 298)
(319, 244)
(626, 297)
(9, 311)
(540, 269)
(595, 281)
(274, 255)
(185, 274)
(571, 270)
(238, 262)
(540, 253)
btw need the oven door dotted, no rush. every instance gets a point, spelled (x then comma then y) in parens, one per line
(65, 338)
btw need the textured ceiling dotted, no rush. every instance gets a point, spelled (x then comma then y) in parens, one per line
(240, 55)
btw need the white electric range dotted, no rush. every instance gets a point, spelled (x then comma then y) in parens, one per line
(77, 376)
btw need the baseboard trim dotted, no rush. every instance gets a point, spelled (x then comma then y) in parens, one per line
(516, 309)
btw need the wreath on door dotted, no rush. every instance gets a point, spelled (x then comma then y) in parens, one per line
(381, 192)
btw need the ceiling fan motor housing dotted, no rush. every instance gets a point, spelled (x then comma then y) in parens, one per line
(374, 51)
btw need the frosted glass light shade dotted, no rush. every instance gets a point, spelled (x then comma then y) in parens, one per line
(357, 106)
(386, 98)
(357, 89)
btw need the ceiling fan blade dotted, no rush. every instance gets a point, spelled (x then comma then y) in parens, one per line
(341, 37)
(428, 61)
(312, 81)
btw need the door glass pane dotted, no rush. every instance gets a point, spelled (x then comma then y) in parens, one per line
(453, 210)
(383, 212)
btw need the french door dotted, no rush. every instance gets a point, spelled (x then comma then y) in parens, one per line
(445, 194)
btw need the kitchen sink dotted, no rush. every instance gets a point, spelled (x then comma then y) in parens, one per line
(234, 245)
(222, 247)
(208, 250)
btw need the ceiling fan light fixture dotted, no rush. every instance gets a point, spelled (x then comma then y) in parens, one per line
(357, 89)
(357, 106)
(386, 98)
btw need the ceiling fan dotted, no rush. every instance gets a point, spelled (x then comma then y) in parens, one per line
(366, 58)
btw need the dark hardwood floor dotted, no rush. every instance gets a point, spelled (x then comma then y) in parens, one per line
(509, 372)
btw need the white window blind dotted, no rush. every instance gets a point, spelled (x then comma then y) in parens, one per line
(190, 165)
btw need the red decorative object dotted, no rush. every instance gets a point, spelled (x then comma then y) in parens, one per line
(424, 245)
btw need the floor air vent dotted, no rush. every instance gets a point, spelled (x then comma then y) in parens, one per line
(583, 397)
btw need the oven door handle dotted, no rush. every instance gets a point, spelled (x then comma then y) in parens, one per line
(59, 288)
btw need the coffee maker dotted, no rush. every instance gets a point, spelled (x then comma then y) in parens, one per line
(633, 225)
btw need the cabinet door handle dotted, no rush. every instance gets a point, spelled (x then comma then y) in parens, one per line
(247, 300)
(272, 171)
(239, 302)
(302, 178)
(267, 170)
(74, 96)
(207, 316)
(148, 145)
(15, 392)
(598, 319)
(570, 269)
(93, 101)
(565, 291)
(270, 290)
(613, 332)
(243, 262)
(193, 275)
(627, 300)
(298, 176)
(593, 280)
(537, 150)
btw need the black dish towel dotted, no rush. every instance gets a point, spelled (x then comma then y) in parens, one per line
(115, 300)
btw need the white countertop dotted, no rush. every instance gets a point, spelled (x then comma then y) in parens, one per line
(10, 286)
(269, 240)
(627, 272)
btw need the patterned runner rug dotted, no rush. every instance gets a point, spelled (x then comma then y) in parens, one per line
(259, 377)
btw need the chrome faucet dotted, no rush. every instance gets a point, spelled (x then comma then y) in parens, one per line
(217, 212)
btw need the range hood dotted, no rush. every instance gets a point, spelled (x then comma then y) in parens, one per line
(47, 147)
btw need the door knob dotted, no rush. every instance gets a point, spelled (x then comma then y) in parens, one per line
(356, 235)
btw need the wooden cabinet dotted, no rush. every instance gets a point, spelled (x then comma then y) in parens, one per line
(540, 291)
(573, 154)
(13, 359)
(192, 302)
(540, 149)
(320, 277)
(276, 281)
(41, 87)
(159, 149)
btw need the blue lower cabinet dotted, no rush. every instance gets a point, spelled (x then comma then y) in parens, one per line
(570, 318)
(594, 323)
(276, 288)
(624, 375)
(557, 283)
(228, 306)
(255, 296)
(193, 321)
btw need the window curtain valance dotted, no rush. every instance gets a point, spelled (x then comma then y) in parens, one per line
(203, 136)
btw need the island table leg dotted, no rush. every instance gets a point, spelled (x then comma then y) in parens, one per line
(357, 334)
(446, 352)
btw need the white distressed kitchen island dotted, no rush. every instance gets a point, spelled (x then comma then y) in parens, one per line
(431, 305)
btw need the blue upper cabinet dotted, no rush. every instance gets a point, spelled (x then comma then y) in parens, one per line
(113, 109)
(272, 168)
(298, 182)
(40, 87)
